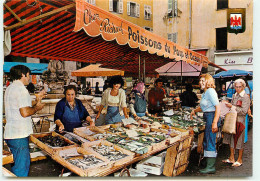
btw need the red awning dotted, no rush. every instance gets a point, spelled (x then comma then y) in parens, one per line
(52, 37)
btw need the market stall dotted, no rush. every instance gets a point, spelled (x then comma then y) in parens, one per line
(57, 34)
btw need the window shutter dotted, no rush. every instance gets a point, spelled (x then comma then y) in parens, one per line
(174, 37)
(137, 10)
(169, 5)
(169, 36)
(128, 8)
(110, 5)
(120, 6)
(175, 10)
(93, 2)
(145, 11)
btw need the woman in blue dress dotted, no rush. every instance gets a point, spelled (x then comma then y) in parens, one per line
(209, 105)
(114, 102)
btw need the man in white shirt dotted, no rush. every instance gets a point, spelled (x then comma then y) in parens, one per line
(18, 110)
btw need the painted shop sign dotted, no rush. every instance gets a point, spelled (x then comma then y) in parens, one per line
(234, 59)
(96, 21)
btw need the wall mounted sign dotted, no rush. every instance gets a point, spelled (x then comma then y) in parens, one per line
(236, 20)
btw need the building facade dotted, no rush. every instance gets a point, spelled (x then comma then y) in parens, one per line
(139, 12)
(203, 26)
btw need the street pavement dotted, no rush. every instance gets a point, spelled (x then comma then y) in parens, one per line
(224, 170)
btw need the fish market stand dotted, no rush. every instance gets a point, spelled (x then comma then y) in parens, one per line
(177, 145)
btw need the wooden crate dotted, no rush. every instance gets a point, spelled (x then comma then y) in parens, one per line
(92, 171)
(130, 154)
(48, 149)
(81, 132)
(177, 157)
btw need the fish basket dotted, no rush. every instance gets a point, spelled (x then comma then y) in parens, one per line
(129, 155)
(74, 159)
(88, 132)
(48, 148)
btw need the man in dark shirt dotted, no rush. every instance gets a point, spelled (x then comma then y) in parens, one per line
(155, 98)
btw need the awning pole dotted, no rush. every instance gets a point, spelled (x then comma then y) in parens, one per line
(181, 76)
(139, 67)
(144, 70)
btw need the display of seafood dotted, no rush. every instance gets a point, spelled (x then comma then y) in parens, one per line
(87, 161)
(55, 141)
(100, 136)
(109, 152)
(133, 146)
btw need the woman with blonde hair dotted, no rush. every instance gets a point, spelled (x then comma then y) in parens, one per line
(240, 102)
(210, 107)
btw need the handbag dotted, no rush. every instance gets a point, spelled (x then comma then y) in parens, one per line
(230, 122)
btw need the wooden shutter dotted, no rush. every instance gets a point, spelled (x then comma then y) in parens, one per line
(120, 6)
(128, 8)
(93, 2)
(110, 5)
(175, 8)
(137, 10)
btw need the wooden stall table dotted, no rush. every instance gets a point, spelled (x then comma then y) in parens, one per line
(108, 171)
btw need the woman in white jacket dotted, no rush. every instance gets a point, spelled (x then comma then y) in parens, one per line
(114, 102)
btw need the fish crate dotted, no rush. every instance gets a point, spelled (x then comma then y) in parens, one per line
(72, 156)
(88, 132)
(48, 148)
(129, 155)
(177, 157)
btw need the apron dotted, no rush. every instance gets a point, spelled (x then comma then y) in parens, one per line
(113, 116)
(71, 119)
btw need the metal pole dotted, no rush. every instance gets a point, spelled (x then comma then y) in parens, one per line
(181, 76)
(139, 67)
(144, 70)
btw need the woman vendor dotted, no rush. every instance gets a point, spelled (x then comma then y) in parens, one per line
(240, 102)
(114, 102)
(138, 102)
(70, 112)
(210, 107)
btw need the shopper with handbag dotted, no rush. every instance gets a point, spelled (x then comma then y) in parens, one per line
(209, 105)
(240, 102)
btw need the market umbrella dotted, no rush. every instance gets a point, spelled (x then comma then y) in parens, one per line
(232, 73)
(95, 70)
(180, 68)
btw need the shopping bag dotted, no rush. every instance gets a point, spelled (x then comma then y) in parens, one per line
(230, 122)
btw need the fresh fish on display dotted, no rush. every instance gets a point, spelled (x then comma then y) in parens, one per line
(109, 152)
(88, 161)
(54, 141)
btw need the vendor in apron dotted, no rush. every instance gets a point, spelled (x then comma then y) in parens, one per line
(138, 102)
(70, 112)
(114, 102)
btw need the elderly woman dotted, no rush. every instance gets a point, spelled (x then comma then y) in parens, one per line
(114, 102)
(210, 107)
(240, 102)
(70, 112)
(138, 102)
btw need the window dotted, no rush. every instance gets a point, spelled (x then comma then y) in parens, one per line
(172, 8)
(116, 6)
(172, 37)
(148, 28)
(147, 12)
(133, 9)
(221, 38)
(93, 2)
(222, 4)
